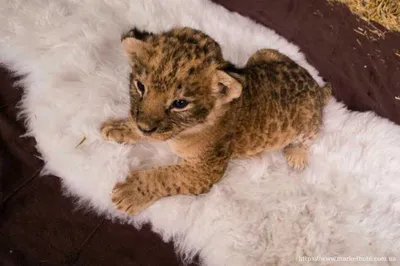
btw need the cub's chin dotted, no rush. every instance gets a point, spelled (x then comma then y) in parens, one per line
(159, 136)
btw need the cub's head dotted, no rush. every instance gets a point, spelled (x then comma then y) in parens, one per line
(176, 82)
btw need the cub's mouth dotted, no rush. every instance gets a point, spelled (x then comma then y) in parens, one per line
(147, 131)
(156, 133)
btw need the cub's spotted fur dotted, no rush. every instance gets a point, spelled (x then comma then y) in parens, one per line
(208, 111)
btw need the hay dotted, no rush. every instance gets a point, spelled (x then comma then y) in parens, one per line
(383, 12)
(81, 142)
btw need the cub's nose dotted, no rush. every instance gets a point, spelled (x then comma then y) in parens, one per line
(147, 129)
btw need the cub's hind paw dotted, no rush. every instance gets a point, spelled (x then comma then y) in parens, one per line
(296, 156)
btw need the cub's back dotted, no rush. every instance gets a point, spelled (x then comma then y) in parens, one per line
(280, 102)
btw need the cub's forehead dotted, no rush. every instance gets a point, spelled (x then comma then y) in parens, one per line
(186, 44)
(182, 57)
(185, 77)
(183, 54)
(179, 64)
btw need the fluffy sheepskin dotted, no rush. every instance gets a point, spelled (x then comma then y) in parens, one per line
(346, 203)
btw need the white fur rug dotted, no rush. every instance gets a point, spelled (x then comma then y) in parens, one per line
(346, 203)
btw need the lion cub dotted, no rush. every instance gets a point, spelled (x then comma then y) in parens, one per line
(183, 92)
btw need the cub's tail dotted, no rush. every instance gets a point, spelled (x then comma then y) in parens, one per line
(326, 93)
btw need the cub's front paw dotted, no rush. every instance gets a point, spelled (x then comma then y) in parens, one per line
(133, 195)
(117, 131)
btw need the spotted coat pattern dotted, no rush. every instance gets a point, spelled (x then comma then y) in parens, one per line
(272, 103)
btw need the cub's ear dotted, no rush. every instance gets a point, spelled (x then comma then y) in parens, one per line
(134, 42)
(227, 85)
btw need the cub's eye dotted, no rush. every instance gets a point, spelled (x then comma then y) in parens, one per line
(179, 104)
(140, 87)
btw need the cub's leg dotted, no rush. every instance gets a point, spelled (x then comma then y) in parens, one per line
(121, 131)
(144, 187)
(297, 152)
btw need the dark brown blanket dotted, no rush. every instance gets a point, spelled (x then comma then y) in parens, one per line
(39, 226)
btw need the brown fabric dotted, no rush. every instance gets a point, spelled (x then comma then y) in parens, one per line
(39, 226)
(364, 74)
